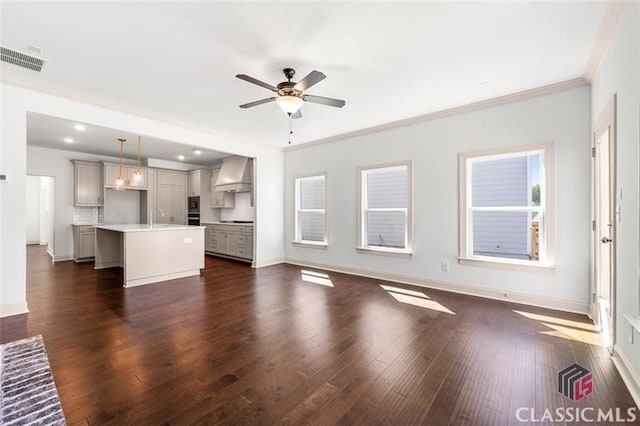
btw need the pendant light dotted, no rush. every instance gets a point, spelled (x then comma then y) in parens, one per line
(120, 181)
(137, 175)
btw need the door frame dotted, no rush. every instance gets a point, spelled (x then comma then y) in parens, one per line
(606, 121)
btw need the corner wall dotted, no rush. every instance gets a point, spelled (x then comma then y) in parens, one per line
(562, 117)
(619, 73)
(18, 101)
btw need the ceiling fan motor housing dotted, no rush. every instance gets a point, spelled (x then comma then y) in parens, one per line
(286, 88)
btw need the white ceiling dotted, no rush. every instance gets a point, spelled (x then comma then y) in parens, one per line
(389, 61)
(50, 132)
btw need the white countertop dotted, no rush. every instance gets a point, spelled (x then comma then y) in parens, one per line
(227, 223)
(87, 224)
(137, 227)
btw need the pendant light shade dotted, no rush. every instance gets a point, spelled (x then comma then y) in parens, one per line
(289, 104)
(137, 175)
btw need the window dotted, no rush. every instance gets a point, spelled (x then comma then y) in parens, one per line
(310, 220)
(385, 208)
(506, 214)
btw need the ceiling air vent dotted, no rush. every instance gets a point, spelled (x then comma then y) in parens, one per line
(21, 59)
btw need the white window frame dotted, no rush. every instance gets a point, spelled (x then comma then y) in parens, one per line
(547, 207)
(296, 230)
(361, 246)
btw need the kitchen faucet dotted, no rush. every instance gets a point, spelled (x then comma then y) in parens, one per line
(151, 214)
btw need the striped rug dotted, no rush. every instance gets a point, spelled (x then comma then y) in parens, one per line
(28, 395)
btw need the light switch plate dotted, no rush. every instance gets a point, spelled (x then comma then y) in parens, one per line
(188, 240)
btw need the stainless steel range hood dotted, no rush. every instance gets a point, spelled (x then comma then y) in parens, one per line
(235, 175)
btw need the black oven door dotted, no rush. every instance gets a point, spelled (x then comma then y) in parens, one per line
(194, 205)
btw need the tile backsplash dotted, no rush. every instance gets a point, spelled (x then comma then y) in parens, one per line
(243, 209)
(88, 215)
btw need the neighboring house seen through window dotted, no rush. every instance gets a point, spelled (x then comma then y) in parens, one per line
(505, 205)
(385, 208)
(310, 220)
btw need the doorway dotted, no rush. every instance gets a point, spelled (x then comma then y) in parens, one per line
(40, 192)
(604, 223)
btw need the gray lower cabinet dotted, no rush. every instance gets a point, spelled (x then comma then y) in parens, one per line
(84, 248)
(229, 240)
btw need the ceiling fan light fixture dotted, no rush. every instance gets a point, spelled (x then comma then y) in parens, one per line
(289, 104)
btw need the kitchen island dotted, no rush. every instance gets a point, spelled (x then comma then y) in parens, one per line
(150, 253)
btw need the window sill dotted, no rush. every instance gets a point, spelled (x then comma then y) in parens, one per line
(310, 244)
(513, 265)
(385, 252)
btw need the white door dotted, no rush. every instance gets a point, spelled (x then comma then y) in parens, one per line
(605, 223)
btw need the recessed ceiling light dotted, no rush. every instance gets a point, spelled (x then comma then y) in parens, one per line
(180, 157)
(483, 83)
(68, 140)
(80, 127)
(197, 152)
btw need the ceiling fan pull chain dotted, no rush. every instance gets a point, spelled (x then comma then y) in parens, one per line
(290, 128)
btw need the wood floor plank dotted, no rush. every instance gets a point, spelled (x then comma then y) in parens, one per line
(238, 345)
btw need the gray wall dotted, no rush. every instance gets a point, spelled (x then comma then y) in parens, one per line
(434, 146)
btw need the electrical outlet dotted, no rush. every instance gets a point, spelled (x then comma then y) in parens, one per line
(444, 266)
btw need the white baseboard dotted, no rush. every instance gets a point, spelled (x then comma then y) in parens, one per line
(33, 243)
(10, 309)
(630, 377)
(62, 259)
(472, 290)
(268, 262)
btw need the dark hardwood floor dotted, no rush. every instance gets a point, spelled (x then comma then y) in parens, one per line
(278, 345)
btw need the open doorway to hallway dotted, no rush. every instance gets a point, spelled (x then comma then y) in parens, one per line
(40, 192)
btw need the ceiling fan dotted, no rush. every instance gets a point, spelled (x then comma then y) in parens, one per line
(290, 96)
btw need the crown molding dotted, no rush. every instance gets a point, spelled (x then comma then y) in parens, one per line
(50, 90)
(608, 26)
(501, 100)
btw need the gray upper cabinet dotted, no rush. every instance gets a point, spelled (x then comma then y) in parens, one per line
(171, 196)
(87, 184)
(194, 183)
(111, 172)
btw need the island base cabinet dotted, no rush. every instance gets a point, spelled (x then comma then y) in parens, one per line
(162, 254)
(150, 255)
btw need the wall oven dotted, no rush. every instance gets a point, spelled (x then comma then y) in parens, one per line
(193, 211)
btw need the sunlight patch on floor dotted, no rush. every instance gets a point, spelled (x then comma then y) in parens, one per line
(588, 337)
(567, 329)
(405, 291)
(415, 298)
(558, 321)
(316, 278)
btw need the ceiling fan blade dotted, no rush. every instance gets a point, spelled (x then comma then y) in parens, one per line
(256, 103)
(256, 82)
(297, 114)
(339, 103)
(313, 78)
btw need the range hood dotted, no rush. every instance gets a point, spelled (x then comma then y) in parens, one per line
(235, 175)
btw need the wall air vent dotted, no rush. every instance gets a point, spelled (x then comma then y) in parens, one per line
(21, 59)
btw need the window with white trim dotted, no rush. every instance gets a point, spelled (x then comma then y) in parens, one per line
(385, 208)
(506, 213)
(310, 220)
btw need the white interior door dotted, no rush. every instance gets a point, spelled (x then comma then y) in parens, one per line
(604, 229)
